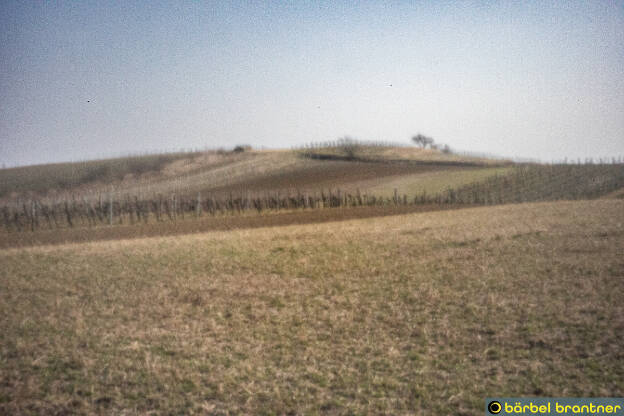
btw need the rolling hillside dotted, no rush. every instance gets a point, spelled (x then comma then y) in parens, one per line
(216, 186)
(210, 284)
(222, 172)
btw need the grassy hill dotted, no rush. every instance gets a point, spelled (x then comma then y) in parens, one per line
(42, 180)
(222, 172)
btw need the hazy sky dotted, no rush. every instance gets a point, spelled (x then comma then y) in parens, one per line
(91, 79)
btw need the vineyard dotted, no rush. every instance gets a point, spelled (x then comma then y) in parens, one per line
(531, 183)
(523, 183)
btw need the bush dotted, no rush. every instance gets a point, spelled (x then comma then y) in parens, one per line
(348, 146)
(242, 148)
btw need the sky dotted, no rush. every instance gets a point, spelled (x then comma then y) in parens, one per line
(94, 79)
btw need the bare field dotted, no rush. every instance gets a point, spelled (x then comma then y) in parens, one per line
(422, 313)
(206, 223)
(316, 175)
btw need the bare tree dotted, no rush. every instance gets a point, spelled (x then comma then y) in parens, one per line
(348, 146)
(422, 140)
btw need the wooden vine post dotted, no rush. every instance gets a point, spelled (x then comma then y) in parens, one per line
(110, 207)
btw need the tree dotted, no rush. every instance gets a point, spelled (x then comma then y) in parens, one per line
(348, 146)
(422, 140)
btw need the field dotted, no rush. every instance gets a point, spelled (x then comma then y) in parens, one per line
(333, 279)
(424, 313)
(434, 182)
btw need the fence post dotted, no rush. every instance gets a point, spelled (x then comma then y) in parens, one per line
(198, 207)
(160, 203)
(175, 208)
(68, 214)
(32, 215)
(110, 207)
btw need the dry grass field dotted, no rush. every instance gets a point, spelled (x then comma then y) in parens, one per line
(58, 178)
(423, 313)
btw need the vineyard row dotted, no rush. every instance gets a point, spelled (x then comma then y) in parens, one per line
(523, 184)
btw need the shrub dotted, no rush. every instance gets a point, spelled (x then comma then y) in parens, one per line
(242, 148)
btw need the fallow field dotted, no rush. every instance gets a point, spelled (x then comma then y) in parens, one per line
(423, 313)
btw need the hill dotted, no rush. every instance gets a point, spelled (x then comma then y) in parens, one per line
(43, 180)
(221, 172)
(361, 180)
(214, 283)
